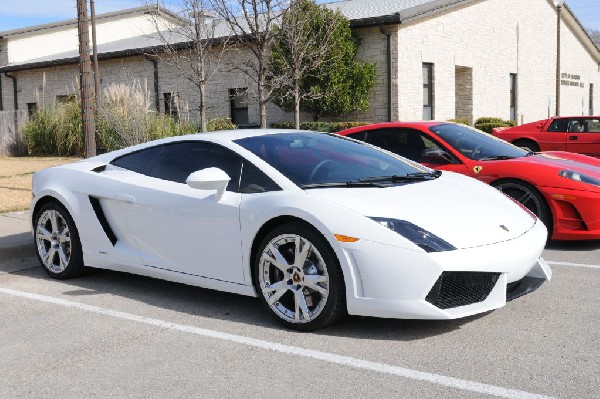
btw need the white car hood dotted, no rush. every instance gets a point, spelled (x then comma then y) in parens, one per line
(460, 210)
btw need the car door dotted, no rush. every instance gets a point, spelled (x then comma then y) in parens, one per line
(555, 137)
(584, 136)
(180, 228)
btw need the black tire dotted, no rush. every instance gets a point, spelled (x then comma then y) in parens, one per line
(528, 196)
(527, 145)
(52, 250)
(324, 305)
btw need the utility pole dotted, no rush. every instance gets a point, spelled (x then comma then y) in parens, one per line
(95, 53)
(85, 81)
(559, 4)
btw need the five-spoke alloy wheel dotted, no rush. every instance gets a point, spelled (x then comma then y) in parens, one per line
(299, 278)
(529, 197)
(57, 241)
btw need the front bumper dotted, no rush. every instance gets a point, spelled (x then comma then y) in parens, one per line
(394, 282)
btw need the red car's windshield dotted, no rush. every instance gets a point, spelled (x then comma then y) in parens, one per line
(475, 144)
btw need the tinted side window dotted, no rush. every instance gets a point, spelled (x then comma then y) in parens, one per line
(255, 181)
(362, 136)
(404, 142)
(179, 160)
(558, 125)
(140, 161)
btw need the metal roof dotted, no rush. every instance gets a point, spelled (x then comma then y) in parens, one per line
(73, 21)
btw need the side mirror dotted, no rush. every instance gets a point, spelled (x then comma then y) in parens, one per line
(209, 179)
(539, 126)
(435, 156)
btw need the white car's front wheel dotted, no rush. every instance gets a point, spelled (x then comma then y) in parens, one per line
(57, 241)
(299, 278)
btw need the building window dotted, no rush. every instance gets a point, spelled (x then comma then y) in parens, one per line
(513, 96)
(591, 101)
(428, 109)
(171, 105)
(238, 99)
(64, 99)
(31, 108)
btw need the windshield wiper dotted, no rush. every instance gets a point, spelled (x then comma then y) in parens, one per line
(530, 153)
(496, 158)
(343, 184)
(402, 178)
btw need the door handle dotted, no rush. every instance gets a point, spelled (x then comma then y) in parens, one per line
(573, 137)
(125, 198)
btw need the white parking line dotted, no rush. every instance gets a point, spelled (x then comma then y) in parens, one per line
(572, 264)
(292, 350)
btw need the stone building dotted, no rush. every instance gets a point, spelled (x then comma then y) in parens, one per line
(436, 59)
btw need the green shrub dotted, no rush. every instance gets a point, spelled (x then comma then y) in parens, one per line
(461, 121)
(489, 119)
(327, 127)
(55, 130)
(486, 124)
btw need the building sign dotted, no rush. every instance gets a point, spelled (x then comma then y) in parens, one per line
(568, 79)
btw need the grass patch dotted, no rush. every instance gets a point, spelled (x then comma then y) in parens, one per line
(15, 179)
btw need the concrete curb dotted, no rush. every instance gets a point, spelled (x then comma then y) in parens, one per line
(15, 236)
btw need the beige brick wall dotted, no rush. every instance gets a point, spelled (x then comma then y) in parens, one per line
(494, 38)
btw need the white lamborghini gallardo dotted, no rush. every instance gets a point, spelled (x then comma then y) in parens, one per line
(317, 226)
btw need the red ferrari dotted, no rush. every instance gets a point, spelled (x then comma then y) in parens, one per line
(561, 188)
(579, 134)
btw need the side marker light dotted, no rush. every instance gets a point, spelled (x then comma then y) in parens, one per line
(342, 238)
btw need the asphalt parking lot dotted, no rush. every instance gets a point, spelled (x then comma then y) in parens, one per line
(112, 334)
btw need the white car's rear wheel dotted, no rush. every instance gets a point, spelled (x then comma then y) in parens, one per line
(57, 241)
(299, 278)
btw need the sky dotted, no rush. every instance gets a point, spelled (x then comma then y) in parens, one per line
(19, 14)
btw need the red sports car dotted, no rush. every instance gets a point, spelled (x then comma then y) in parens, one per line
(579, 134)
(561, 188)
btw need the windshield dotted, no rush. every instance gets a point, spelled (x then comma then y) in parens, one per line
(475, 144)
(317, 159)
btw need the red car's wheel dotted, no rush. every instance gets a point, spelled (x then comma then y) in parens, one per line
(529, 197)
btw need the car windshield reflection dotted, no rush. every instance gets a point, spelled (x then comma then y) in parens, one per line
(477, 145)
(313, 160)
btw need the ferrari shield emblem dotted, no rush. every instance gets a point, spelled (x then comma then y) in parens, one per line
(477, 169)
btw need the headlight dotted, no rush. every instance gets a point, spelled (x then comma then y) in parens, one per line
(569, 174)
(421, 237)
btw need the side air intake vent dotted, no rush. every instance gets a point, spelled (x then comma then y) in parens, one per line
(102, 219)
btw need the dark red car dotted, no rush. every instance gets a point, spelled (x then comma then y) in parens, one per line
(561, 188)
(580, 134)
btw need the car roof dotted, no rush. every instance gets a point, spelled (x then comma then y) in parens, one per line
(219, 137)
(384, 125)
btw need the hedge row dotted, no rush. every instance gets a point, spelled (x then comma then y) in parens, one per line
(486, 124)
(327, 127)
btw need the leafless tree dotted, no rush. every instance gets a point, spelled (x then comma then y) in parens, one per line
(252, 25)
(305, 43)
(194, 46)
(595, 35)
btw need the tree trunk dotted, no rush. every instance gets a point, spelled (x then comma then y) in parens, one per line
(297, 104)
(262, 107)
(202, 108)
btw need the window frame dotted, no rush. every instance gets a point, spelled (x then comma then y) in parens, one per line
(234, 94)
(513, 96)
(148, 170)
(429, 85)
